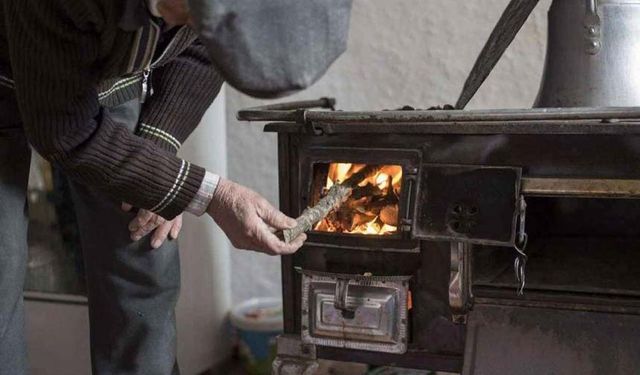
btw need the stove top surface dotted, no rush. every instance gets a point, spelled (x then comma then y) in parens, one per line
(304, 116)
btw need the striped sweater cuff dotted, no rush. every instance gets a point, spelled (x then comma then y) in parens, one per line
(182, 192)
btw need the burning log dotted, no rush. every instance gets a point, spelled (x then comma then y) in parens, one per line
(336, 196)
(359, 219)
(389, 215)
(368, 190)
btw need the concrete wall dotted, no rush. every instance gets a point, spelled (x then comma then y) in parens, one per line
(413, 52)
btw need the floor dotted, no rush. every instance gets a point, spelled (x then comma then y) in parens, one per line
(326, 368)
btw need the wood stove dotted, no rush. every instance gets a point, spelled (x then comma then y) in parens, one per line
(488, 242)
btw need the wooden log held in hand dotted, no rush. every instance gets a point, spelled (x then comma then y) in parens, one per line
(336, 196)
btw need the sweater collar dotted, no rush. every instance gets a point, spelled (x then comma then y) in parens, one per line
(133, 15)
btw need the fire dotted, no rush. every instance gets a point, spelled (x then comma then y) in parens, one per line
(373, 206)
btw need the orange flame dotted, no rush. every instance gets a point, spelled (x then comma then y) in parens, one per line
(373, 210)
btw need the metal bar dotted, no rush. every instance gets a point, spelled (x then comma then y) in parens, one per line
(556, 300)
(288, 276)
(581, 188)
(291, 111)
(582, 127)
(535, 114)
(288, 111)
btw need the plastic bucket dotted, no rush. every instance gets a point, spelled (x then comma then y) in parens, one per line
(258, 322)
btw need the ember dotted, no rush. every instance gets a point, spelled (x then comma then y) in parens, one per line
(372, 208)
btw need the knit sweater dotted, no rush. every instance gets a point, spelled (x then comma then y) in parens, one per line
(66, 59)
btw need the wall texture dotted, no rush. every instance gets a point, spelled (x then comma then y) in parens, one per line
(205, 296)
(400, 52)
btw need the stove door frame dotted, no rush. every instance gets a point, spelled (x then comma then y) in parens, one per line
(408, 159)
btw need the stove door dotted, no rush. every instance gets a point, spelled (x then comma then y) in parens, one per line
(525, 340)
(355, 311)
(467, 203)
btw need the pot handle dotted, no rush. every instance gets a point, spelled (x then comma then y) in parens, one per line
(592, 27)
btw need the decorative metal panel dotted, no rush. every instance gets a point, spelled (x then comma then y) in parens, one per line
(355, 311)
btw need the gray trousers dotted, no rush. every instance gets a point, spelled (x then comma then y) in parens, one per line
(132, 289)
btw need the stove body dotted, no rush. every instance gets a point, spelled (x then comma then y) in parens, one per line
(439, 292)
(487, 242)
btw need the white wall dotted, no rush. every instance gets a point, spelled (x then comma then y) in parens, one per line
(205, 296)
(401, 52)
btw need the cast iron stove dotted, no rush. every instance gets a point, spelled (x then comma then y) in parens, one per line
(487, 242)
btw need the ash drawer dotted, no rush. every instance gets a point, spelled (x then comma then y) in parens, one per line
(355, 311)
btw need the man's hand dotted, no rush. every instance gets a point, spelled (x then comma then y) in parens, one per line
(146, 221)
(250, 221)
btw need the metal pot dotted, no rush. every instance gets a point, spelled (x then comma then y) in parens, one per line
(593, 54)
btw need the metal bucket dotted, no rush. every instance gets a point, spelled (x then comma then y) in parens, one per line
(593, 54)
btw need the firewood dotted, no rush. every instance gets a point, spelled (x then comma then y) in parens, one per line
(368, 190)
(389, 215)
(336, 196)
(359, 219)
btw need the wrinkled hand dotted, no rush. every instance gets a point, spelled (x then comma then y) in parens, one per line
(250, 221)
(146, 221)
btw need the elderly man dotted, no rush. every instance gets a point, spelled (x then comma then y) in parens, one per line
(107, 90)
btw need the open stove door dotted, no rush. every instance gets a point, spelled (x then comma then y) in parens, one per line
(523, 341)
(475, 204)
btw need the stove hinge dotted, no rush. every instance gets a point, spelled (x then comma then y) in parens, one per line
(410, 182)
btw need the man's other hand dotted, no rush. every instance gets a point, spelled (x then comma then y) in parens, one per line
(250, 221)
(146, 221)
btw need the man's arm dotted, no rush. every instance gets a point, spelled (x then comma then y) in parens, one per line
(54, 51)
(183, 89)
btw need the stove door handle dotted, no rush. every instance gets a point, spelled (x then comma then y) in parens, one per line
(340, 298)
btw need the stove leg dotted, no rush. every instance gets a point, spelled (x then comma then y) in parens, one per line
(294, 357)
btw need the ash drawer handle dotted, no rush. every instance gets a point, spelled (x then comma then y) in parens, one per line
(340, 299)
